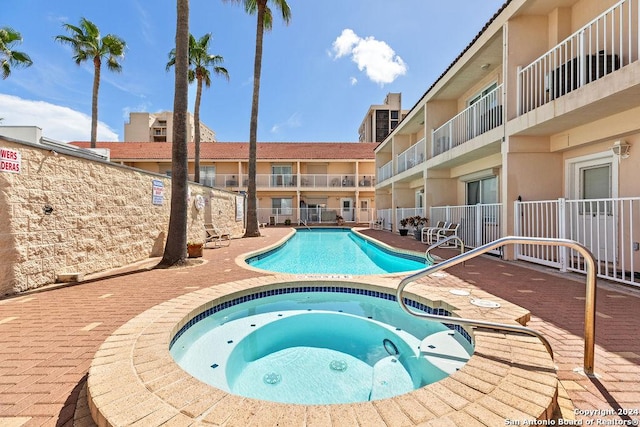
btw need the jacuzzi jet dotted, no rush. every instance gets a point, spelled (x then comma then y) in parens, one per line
(390, 347)
(338, 365)
(272, 378)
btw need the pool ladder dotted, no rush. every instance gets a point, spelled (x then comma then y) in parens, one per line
(590, 301)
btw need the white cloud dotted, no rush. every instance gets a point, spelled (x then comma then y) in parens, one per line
(378, 60)
(353, 81)
(57, 122)
(294, 121)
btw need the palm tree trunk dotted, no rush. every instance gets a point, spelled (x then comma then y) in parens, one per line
(175, 251)
(252, 214)
(196, 137)
(94, 101)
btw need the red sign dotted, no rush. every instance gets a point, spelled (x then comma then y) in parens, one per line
(10, 160)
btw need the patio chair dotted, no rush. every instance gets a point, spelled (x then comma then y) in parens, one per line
(378, 224)
(219, 238)
(451, 230)
(429, 233)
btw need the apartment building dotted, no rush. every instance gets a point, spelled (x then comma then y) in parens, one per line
(381, 119)
(297, 183)
(158, 127)
(532, 131)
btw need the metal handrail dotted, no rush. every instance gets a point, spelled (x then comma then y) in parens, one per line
(590, 301)
(428, 256)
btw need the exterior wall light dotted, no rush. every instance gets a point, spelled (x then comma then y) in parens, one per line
(621, 149)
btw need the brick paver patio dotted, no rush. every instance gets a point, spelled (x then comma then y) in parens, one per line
(48, 338)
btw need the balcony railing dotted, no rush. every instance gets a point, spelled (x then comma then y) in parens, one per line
(481, 117)
(292, 181)
(313, 215)
(386, 171)
(602, 46)
(412, 156)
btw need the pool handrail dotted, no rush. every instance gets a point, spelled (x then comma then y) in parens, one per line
(590, 300)
(427, 255)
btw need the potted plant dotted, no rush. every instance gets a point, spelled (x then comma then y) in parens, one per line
(418, 222)
(287, 221)
(403, 223)
(195, 249)
(339, 220)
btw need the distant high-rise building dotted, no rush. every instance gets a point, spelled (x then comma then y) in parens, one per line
(382, 119)
(158, 127)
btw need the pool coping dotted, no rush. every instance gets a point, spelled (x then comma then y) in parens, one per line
(134, 379)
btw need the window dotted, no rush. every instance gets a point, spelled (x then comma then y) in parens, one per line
(484, 92)
(595, 183)
(482, 191)
(282, 206)
(208, 175)
(394, 114)
(281, 175)
(394, 123)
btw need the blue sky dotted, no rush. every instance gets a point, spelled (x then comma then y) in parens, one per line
(319, 74)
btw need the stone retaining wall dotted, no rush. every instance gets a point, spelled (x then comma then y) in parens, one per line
(63, 213)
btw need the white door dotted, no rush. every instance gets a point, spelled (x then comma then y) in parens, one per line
(364, 214)
(595, 225)
(346, 208)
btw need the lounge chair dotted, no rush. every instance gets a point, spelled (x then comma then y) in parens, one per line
(429, 233)
(219, 238)
(378, 224)
(451, 230)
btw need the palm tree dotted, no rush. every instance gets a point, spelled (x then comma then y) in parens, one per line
(201, 60)
(175, 250)
(86, 44)
(264, 21)
(8, 57)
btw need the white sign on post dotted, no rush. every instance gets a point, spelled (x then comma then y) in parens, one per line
(10, 160)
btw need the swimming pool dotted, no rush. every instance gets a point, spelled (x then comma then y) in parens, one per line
(318, 345)
(334, 251)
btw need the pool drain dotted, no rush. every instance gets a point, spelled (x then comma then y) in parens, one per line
(272, 378)
(390, 347)
(338, 365)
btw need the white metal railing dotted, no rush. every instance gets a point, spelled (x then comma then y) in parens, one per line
(277, 180)
(604, 226)
(479, 224)
(406, 213)
(481, 117)
(386, 215)
(229, 180)
(602, 46)
(325, 180)
(385, 171)
(412, 156)
(314, 215)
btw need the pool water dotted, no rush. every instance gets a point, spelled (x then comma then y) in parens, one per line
(334, 251)
(319, 348)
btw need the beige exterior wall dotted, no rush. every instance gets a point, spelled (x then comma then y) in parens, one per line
(102, 217)
(531, 150)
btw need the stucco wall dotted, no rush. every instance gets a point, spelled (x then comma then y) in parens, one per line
(102, 217)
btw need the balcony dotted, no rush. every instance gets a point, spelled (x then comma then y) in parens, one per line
(290, 181)
(479, 118)
(412, 156)
(385, 171)
(601, 47)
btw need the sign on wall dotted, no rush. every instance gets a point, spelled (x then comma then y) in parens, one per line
(157, 192)
(239, 208)
(10, 160)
